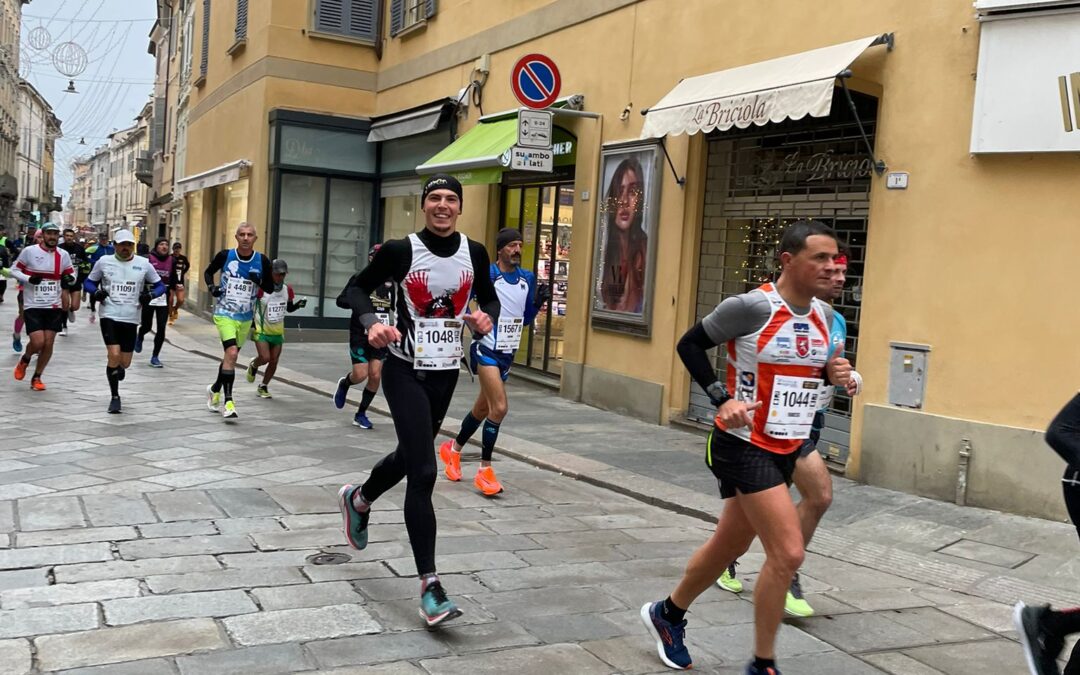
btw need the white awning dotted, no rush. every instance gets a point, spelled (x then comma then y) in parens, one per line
(227, 173)
(789, 87)
(407, 124)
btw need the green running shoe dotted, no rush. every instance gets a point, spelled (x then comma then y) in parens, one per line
(795, 604)
(435, 607)
(727, 580)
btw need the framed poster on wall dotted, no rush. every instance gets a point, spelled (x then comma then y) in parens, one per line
(626, 221)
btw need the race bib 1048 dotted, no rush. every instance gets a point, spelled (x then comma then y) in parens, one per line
(438, 344)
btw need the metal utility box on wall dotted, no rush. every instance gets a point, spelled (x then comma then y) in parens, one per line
(907, 374)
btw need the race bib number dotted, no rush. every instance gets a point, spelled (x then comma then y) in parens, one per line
(383, 317)
(438, 344)
(239, 291)
(508, 336)
(160, 301)
(124, 292)
(792, 406)
(275, 312)
(48, 291)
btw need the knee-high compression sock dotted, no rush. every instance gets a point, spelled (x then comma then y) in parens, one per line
(365, 401)
(227, 379)
(216, 386)
(469, 425)
(120, 371)
(114, 379)
(488, 438)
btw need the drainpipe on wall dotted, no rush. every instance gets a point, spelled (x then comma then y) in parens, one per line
(962, 472)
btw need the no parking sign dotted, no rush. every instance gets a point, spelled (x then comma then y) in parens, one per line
(535, 81)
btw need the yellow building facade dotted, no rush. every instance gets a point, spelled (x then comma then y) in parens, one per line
(315, 136)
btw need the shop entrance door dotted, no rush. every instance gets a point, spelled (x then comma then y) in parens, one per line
(544, 214)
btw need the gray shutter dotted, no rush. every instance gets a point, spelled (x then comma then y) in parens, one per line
(157, 135)
(397, 16)
(362, 19)
(241, 19)
(432, 7)
(205, 38)
(330, 16)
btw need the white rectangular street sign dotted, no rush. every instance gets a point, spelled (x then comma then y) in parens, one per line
(532, 159)
(534, 128)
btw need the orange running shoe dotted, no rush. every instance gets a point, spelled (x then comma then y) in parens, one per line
(37, 385)
(451, 460)
(486, 482)
(20, 369)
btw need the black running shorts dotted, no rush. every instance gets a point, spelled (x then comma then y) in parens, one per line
(360, 351)
(742, 467)
(43, 319)
(119, 333)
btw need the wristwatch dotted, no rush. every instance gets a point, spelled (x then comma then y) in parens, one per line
(717, 393)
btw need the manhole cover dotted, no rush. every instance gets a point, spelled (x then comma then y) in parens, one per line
(328, 558)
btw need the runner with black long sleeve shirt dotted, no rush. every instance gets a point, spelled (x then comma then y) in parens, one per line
(435, 271)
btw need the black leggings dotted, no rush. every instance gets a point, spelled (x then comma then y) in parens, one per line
(418, 401)
(148, 314)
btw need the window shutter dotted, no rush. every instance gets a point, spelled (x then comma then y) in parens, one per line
(397, 16)
(157, 144)
(330, 16)
(362, 19)
(241, 19)
(432, 7)
(205, 38)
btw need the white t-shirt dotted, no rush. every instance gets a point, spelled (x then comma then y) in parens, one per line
(50, 265)
(124, 280)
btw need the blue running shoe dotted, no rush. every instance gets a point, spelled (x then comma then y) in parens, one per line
(361, 420)
(435, 607)
(341, 393)
(138, 344)
(155, 362)
(751, 670)
(669, 637)
(16, 344)
(355, 523)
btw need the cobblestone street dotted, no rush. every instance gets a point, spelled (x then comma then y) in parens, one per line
(165, 540)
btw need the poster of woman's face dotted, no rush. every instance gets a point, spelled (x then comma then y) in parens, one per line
(626, 236)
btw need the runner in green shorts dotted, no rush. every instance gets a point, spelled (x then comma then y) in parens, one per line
(270, 310)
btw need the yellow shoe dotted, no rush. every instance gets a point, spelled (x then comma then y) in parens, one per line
(795, 604)
(728, 582)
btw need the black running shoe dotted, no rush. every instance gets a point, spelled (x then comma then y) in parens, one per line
(1041, 648)
(114, 405)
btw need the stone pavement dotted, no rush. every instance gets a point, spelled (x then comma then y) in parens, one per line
(165, 540)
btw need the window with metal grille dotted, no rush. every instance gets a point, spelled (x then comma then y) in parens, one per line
(350, 18)
(405, 14)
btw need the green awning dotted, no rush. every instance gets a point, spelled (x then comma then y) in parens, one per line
(476, 157)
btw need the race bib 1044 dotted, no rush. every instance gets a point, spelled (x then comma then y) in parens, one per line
(438, 344)
(508, 335)
(792, 406)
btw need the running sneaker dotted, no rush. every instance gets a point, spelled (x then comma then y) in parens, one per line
(354, 522)
(263, 392)
(16, 344)
(669, 637)
(114, 405)
(63, 332)
(71, 316)
(728, 581)
(155, 362)
(341, 392)
(20, 369)
(36, 384)
(451, 460)
(795, 604)
(213, 399)
(1040, 647)
(229, 411)
(138, 344)
(361, 420)
(435, 607)
(251, 370)
(93, 317)
(768, 670)
(486, 481)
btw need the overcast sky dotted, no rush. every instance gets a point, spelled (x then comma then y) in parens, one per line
(118, 76)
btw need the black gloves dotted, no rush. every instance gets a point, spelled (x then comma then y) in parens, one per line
(254, 277)
(67, 281)
(144, 298)
(302, 303)
(543, 294)
(36, 279)
(215, 291)
(100, 294)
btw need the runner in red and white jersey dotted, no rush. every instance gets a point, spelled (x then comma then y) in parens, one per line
(45, 272)
(779, 363)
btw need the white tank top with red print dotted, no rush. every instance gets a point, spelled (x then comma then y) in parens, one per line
(780, 365)
(435, 293)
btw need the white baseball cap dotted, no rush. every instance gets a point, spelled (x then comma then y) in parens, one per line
(123, 237)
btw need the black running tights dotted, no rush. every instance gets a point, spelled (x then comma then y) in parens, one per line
(149, 312)
(418, 401)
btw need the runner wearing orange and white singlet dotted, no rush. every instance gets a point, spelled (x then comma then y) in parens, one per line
(779, 362)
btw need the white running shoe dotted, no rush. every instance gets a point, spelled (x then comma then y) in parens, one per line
(213, 399)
